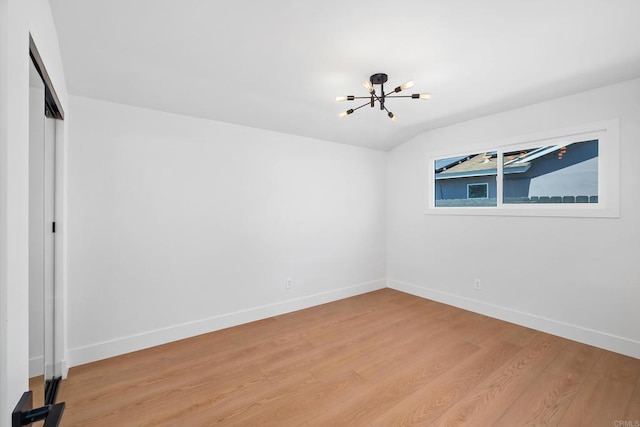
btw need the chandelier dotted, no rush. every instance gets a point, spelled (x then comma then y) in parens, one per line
(381, 96)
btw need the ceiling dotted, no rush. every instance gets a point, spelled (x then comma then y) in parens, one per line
(279, 64)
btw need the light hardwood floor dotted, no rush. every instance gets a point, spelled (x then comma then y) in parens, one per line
(36, 385)
(380, 359)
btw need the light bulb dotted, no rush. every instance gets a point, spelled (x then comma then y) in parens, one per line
(345, 113)
(393, 117)
(368, 86)
(421, 95)
(407, 85)
(341, 98)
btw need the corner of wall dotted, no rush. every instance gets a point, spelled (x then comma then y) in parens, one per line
(599, 339)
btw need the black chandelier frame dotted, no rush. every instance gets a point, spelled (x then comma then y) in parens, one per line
(380, 79)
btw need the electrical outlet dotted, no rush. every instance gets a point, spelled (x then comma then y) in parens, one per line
(477, 284)
(289, 283)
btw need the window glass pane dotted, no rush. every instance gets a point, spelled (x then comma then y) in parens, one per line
(477, 191)
(552, 174)
(466, 180)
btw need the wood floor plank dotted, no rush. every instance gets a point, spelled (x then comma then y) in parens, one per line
(297, 409)
(154, 380)
(487, 402)
(335, 356)
(382, 358)
(545, 401)
(575, 359)
(437, 396)
(203, 409)
(389, 338)
(413, 344)
(618, 367)
(599, 402)
(402, 379)
(36, 385)
(482, 330)
(518, 335)
(633, 409)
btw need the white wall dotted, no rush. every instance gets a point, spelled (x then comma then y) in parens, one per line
(14, 204)
(575, 277)
(17, 19)
(180, 226)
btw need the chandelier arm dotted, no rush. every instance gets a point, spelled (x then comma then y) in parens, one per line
(375, 95)
(379, 79)
(357, 108)
(398, 96)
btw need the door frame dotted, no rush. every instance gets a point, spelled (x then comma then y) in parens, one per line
(54, 110)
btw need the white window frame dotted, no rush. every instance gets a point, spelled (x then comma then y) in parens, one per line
(478, 183)
(608, 206)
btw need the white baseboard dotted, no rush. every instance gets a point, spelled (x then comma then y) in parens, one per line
(103, 350)
(63, 369)
(573, 332)
(36, 366)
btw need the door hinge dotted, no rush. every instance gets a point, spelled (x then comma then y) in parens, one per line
(53, 227)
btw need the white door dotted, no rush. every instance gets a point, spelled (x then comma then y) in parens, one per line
(49, 249)
(41, 236)
(36, 223)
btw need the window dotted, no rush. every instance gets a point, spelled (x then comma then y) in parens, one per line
(478, 191)
(563, 173)
(566, 173)
(468, 180)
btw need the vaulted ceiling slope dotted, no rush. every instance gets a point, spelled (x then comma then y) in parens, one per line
(279, 64)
